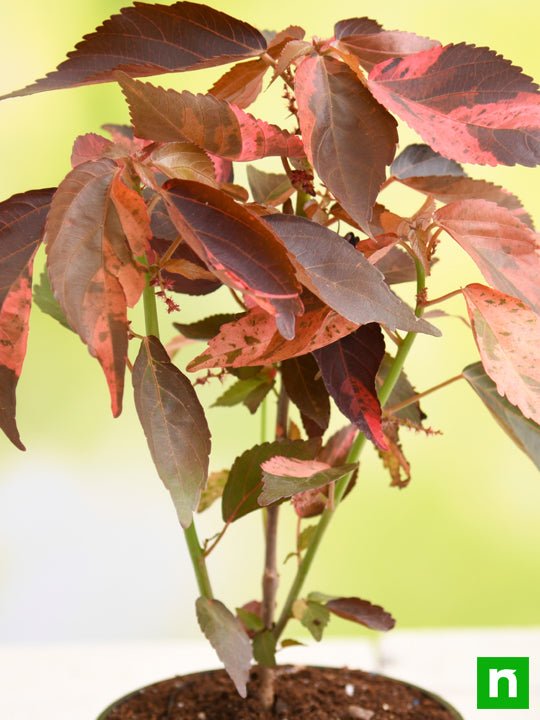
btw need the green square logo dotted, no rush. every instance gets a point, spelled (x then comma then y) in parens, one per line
(502, 683)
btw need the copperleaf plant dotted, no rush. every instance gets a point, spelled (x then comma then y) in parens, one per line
(310, 255)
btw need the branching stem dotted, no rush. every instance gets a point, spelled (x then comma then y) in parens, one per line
(419, 396)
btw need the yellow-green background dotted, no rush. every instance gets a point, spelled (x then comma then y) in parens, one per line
(89, 545)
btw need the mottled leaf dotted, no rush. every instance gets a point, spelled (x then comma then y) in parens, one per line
(228, 638)
(184, 162)
(242, 84)
(174, 424)
(507, 333)
(313, 616)
(419, 161)
(269, 188)
(206, 121)
(253, 339)
(46, 302)
(467, 103)
(22, 218)
(506, 251)
(150, 39)
(393, 458)
(525, 433)
(342, 277)
(245, 479)
(338, 113)
(91, 267)
(213, 489)
(362, 612)
(239, 247)
(284, 477)
(372, 44)
(307, 390)
(349, 368)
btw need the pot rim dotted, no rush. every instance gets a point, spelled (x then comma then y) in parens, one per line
(444, 703)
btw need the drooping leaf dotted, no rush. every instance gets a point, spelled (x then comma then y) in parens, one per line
(242, 84)
(250, 392)
(361, 611)
(313, 616)
(46, 302)
(22, 218)
(91, 267)
(213, 489)
(525, 433)
(228, 638)
(206, 121)
(150, 39)
(393, 458)
(342, 277)
(208, 327)
(284, 477)
(90, 146)
(372, 44)
(506, 251)
(253, 339)
(133, 215)
(419, 161)
(507, 333)
(349, 368)
(245, 479)
(174, 424)
(269, 188)
(239, 247)
(306, 390)
(337, 113)
(184, 161)
(14, 316)
(264, 648)
(467, 103)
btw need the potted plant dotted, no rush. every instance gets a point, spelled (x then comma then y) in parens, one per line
(311, 257)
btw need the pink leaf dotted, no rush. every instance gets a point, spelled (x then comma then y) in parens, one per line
(89, 147)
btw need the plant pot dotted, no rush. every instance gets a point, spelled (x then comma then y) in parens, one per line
(304, 693)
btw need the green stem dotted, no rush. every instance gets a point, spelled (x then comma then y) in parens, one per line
(354, 453)
(192, 540)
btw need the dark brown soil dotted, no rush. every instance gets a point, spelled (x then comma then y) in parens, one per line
(302, 694)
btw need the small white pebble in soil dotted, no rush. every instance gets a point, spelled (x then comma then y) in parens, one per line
(201, 716)
(180, 704)
(358, 713)
(349, 690)
(386, 707)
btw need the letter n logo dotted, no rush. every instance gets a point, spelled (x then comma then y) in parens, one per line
(502, 683)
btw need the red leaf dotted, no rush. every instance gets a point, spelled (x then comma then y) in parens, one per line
(349, 368)
(239, 247)
(242, 84)
(255, 340)
(337, 113)
(133, 216)
(212, 124)
(468, 103)
(371, 44)
(363, 612)
(91, 267)
(332, 269)
(507, 333)
(89, 147)
(150, 39)
(506, 251)
(14, 317)
(174, 424)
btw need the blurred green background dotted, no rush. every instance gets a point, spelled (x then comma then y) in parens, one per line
(89, 543)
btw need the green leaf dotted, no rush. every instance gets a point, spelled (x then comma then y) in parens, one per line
(250, 620)
(225, 633)
(174, 424)
(268, 188)
(525, 433)
(245, 479)
(284, 477)
(213, 490)
(46, 302)
(239, 392)
(313, 616)
(305, 537)
(264, 648)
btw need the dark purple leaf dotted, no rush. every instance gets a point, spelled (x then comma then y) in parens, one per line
(306, 390)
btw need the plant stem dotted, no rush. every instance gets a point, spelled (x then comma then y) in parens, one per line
(354, 453)
(449, 295)
(271, 578)
(419, 396)
(192, 540)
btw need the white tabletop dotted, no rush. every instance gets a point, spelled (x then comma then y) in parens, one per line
(76, 682)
